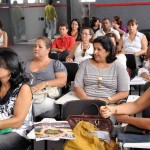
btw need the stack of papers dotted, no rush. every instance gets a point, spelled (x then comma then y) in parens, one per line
(53, 130)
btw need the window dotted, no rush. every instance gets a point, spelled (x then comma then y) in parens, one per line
(17, 1)
(36, 1)
(88, 0)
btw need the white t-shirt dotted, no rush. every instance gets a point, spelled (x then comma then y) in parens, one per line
(122, 59)
(78, 53)
(101, 32)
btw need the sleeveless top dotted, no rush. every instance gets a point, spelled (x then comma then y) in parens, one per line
(78, 53)
(134, 46)
(2, 39)
(7, 108)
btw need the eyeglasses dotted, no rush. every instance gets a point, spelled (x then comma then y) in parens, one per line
(86, 34)
(83, 52)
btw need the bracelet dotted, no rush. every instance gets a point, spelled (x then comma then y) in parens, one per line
(115, 110)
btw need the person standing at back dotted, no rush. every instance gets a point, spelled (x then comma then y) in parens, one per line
(50, 17)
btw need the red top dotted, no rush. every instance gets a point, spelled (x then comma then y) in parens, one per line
(65, 43)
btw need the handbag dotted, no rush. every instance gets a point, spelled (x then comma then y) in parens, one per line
(135, 130)
(86, 140)
(50, 92)
(104, 124)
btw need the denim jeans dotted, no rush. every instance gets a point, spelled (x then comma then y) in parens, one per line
(51, 26)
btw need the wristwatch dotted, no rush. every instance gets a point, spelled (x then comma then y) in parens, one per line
(109, 98)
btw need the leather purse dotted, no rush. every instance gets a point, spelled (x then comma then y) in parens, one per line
(104, 124)
(135, 130)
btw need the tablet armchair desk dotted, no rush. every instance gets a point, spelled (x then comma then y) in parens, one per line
(137, 81)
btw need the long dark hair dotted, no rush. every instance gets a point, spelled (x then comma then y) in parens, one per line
(79, 28)
(11, 61)
(108, 45)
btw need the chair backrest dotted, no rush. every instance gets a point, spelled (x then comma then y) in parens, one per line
(77, 107)
(72, 68)
(53, 55)
(147, 33)
(131, 64)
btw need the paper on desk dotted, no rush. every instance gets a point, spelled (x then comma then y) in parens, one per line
(132, 98)
(67, 97)
(137, 79)
(103, 135)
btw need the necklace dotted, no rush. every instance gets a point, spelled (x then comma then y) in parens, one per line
(100, 79)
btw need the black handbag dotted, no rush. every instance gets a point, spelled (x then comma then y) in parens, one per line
(135, 130)
(104, 124)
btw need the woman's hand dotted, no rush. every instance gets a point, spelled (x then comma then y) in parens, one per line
(107, 111)
(69, 60)
(38, 87)
(105, 100)
(122, 118)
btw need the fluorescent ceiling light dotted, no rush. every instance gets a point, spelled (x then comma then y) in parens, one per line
(88, 1)
(58, 2)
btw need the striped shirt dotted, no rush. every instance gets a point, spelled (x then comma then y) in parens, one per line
(114, 79)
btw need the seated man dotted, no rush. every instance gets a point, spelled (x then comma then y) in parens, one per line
(106, 28)
(63, 44)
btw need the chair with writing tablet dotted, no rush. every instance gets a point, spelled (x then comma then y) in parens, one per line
(72, 68)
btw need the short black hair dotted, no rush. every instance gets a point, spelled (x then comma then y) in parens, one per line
(108, 45)
(11, 61)
(64, 25)
(50, 2)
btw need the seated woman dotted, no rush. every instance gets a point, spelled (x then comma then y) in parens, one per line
(133, 42)
(123, 111)
(118, 25)
(15, 102)
(144, 72)
(101, 77)
(74, 29)
(42, 72)
(82, 50)
(95, 24)
(120, 56)
(3, 37)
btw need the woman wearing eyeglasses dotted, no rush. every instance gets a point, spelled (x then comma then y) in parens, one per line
(84, 49)
(101, 77)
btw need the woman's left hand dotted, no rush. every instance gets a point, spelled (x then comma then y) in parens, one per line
(122, 118)
(105, 100)
(38, 87)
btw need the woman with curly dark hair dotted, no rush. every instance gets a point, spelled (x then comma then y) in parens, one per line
(95, 24)
(14, 95)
